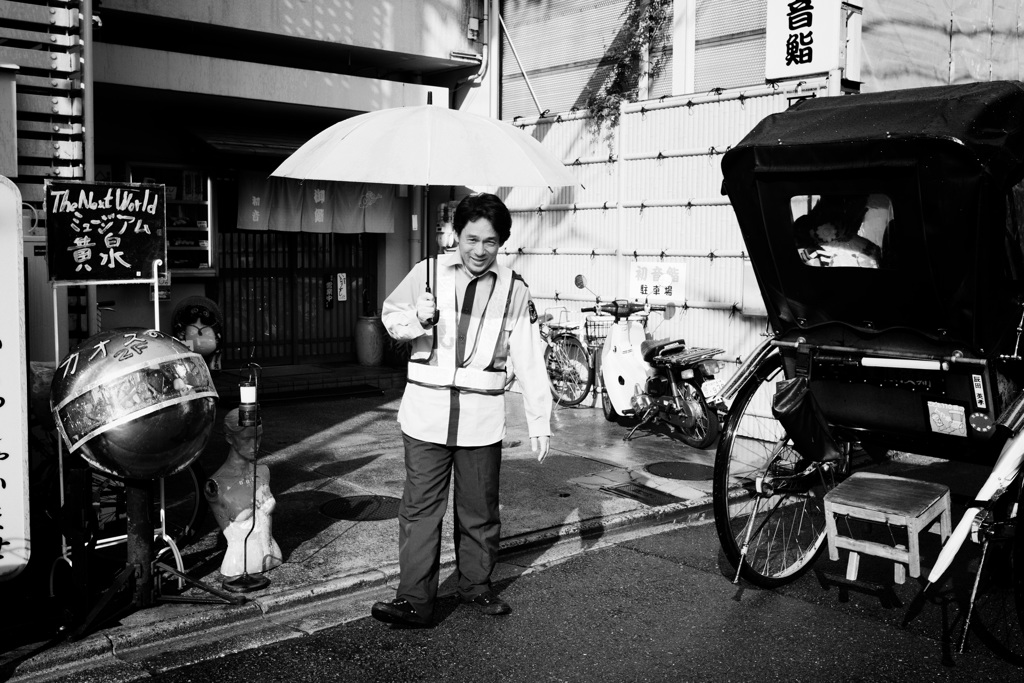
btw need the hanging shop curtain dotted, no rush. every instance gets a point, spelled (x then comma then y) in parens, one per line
(288, 205)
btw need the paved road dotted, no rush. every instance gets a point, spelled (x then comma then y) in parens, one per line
(653, 608)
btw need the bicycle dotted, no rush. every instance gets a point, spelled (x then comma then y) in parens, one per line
(568, 361)
(181, 507)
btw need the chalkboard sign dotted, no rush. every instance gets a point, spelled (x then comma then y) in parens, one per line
(105, 231)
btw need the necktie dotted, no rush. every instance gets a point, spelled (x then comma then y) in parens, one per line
(464, 319)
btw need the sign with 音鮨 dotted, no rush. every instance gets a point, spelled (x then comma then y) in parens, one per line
(802, 37)
(14, 491)
(105, 231)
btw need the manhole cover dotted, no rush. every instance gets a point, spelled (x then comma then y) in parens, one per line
(641, 494)
(684, 471)
(361, 508)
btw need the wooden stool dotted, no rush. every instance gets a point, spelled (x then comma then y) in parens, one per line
(884, 499)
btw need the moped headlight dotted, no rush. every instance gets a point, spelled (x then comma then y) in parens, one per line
(711, 367)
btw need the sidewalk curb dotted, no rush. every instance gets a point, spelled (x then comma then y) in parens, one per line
(114, 644)
(691, 511)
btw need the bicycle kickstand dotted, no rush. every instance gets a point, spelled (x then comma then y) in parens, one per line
(974, 595)
(647, 417)
(746, 540)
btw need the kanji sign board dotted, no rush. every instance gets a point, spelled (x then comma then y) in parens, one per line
(802, 37)
(657, 282)
(105, 231)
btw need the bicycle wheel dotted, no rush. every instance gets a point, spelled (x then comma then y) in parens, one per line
(568, 365)
(184, 505)
(1017, 561)
(606, 407)
(783, 527)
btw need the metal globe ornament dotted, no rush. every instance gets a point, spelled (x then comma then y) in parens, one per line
(134, 402)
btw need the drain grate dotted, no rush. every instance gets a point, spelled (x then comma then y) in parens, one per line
(683, 471)
(641, 494)
(361, 508)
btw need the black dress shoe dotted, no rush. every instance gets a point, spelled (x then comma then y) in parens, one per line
(399, 612)
(488, 603)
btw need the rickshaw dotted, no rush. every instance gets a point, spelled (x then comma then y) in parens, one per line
(884, 231)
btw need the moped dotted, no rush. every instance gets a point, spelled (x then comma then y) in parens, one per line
(654, 381)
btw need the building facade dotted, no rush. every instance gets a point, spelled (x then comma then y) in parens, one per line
(196, 94)
(199, 95)
(651, 205)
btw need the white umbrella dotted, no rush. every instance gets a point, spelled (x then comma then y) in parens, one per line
(426, 145)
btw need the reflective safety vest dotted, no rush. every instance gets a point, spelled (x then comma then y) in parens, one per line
(439, 368)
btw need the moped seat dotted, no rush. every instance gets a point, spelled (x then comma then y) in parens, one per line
(651, 348)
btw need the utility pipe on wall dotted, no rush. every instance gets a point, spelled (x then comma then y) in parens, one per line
(494, 54)
(88, 109)
(88, 137)
(483, 73)
(526, 77)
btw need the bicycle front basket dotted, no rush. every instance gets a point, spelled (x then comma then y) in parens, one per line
(597, 327)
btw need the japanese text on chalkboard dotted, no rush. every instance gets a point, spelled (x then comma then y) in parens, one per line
(104, 231)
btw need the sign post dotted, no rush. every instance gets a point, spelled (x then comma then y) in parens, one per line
(111, 233)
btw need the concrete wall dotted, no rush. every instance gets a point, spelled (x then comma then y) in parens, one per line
(650, 195)
(919, 43)
(133, 307)
(140, 67)
(421, 27)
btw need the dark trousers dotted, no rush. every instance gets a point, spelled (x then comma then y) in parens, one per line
(428, 468)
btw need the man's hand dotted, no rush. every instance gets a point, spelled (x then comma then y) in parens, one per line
(541, 443)
(425, 308)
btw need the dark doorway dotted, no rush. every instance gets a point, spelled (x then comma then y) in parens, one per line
(280, 299)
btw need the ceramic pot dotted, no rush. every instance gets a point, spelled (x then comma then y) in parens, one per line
(370, 335)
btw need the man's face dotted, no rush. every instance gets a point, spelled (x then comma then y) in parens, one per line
(478, 246)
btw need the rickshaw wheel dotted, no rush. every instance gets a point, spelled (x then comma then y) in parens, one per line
(1018, 558)
(787, 532)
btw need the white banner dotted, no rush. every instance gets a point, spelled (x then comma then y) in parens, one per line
(14, 503)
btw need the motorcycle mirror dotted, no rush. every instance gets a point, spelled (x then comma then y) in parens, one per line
(581, 282)
(670, 311)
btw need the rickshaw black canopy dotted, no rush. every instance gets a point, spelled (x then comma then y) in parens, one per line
(946, 160)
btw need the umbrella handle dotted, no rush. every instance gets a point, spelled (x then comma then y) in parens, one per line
(437, 313)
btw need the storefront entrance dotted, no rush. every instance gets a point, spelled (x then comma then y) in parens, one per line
(279, 293)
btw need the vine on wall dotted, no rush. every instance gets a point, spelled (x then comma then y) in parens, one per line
(644, 23)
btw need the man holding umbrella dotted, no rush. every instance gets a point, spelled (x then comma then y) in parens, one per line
(467, 318)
